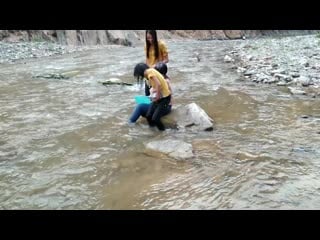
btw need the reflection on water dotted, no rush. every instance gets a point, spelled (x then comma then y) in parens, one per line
(65, 143)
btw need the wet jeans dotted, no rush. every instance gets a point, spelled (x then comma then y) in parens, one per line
(157, 110)
(140, 110)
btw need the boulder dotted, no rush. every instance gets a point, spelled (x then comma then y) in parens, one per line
(189, 116)
(176, 149)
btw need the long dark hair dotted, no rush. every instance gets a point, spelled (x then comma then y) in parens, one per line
(153, 33)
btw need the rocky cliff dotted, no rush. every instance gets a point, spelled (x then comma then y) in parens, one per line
(133, 37)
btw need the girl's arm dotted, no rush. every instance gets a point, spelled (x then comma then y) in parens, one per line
(156, 87)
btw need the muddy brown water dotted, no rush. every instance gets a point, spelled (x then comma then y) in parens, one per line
(65, 143)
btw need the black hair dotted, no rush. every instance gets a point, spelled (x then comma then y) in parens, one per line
(162, 68)
(153, 33)
(139, 70)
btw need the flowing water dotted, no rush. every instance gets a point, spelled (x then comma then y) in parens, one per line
(65, 143)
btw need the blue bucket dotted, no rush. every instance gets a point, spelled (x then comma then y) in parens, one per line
(142, 99)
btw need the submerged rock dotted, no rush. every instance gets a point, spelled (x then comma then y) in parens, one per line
(173, 148)
(52, 76)
(114, 81)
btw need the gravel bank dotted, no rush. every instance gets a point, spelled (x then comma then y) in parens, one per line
(13, 52)
(293, 62)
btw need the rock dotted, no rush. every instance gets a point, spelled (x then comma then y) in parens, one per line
(249, 57)
(70, 37)
(198, 56)
(189, 116)
(241, 69)
(88, 37)
(262, 76)
(228, 59)
(278, 71)
(282, 83)
(192, 115)
(127, 37)
(173, 148)
(304, 81)
(271, 80)
(71, 73)
(295, 75)
(249, 72)
(296, 91)
(233, 34)
(114, 81)
(282, 77)
(52, 76)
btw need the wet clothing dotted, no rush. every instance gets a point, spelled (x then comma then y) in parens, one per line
(157, 110)
(164, 88)
(140, 110)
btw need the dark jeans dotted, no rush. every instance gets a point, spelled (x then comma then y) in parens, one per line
(157, 110)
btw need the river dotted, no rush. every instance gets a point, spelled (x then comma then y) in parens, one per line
(65, 143)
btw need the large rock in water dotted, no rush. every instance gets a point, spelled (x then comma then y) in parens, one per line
(189, 116)
(114, 81)
(173, 148)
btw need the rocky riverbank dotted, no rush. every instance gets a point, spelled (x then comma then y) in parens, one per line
(13, 52)
(293, 62)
